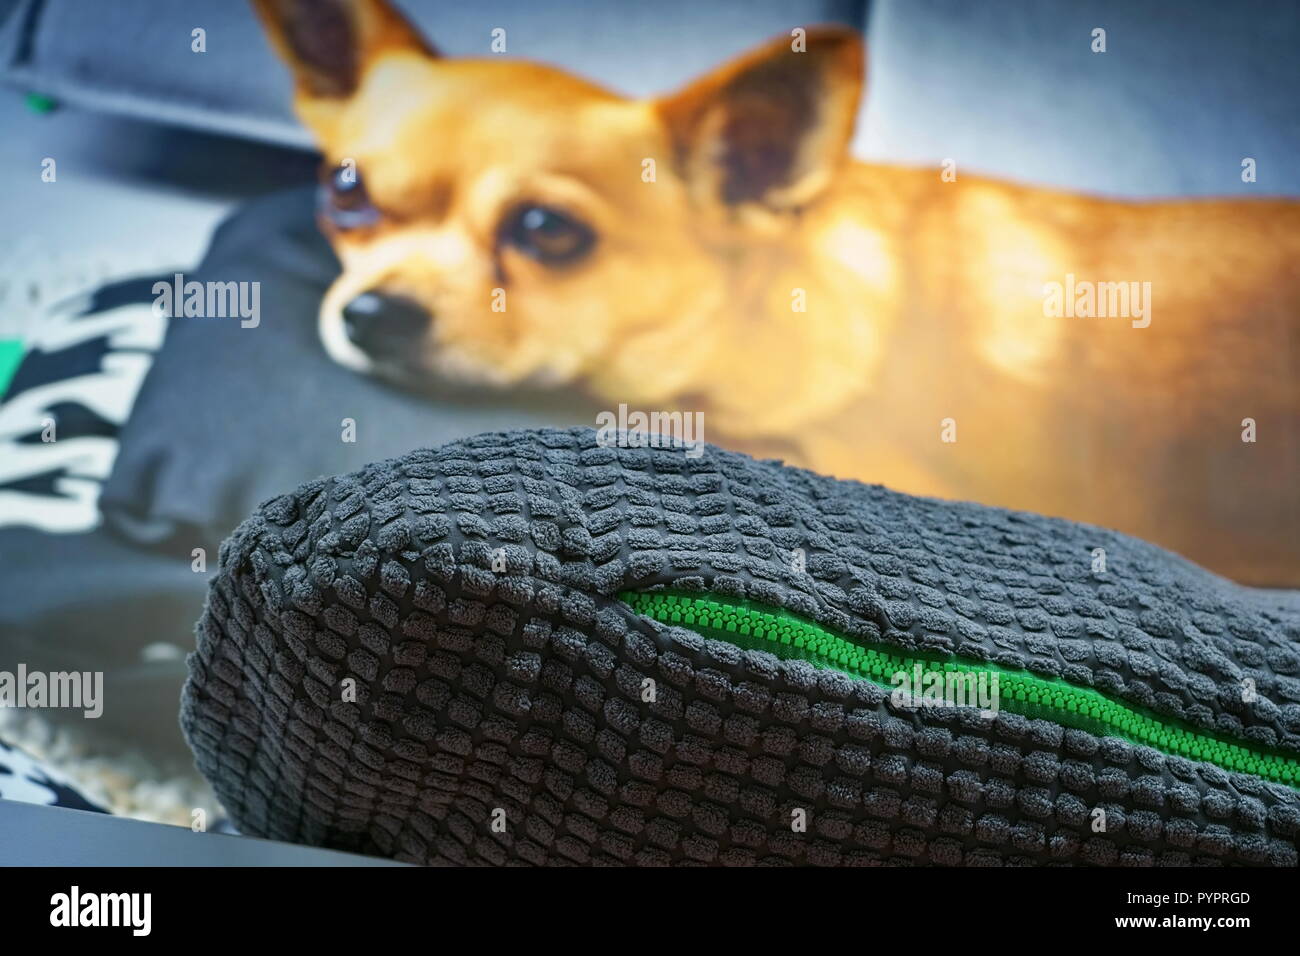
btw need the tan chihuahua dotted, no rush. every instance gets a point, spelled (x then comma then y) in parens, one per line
(1129, 364)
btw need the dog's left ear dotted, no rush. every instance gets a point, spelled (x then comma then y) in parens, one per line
(329, 45)
(772, 126)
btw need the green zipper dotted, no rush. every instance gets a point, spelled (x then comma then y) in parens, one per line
(785, 634)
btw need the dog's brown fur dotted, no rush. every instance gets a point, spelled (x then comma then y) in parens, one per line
(924, 297)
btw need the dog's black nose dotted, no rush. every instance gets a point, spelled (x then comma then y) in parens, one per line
(384, 325)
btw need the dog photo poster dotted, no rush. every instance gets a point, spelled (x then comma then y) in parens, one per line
(715, 433)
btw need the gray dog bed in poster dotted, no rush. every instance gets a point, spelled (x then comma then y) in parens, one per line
(528, 647)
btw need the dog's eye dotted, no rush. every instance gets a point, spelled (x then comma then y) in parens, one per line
(344, 198)
(549, 236)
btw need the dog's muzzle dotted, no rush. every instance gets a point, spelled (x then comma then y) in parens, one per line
(384, 326)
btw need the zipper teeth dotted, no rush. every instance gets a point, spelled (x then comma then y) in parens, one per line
(788, 635)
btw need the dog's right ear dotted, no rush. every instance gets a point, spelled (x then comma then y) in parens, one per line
(329, 45)
(771, 127)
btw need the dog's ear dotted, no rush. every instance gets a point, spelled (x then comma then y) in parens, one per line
(772, 126)
(328, 44)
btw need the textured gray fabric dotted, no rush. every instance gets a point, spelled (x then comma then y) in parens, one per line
(484, 691)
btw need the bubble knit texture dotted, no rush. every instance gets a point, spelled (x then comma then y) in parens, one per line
(427, 660)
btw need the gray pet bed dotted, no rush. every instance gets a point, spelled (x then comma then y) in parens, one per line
(475, 597)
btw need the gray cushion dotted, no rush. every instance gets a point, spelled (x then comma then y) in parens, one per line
(1183, 93)
(474, 596)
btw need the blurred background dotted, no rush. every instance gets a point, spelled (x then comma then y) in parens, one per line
(168, 437)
